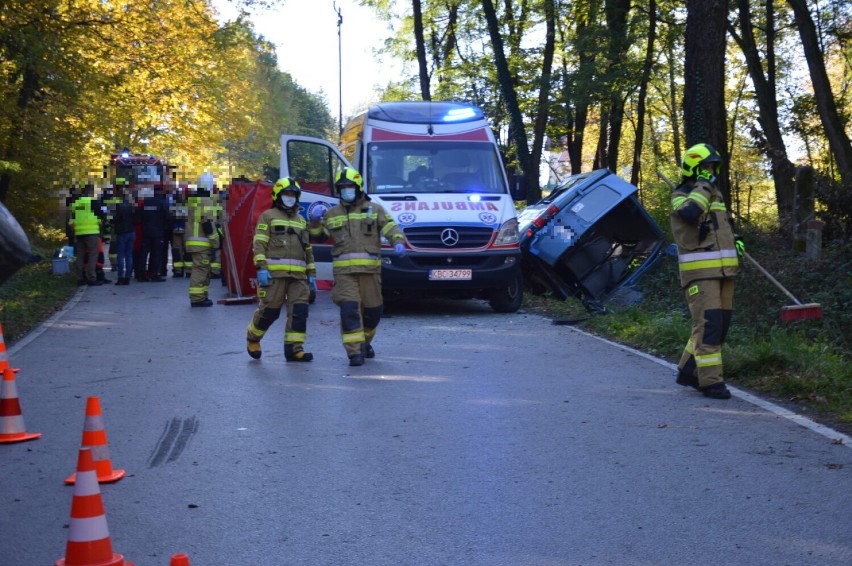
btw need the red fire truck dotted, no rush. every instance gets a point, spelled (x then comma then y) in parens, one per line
(139, 170)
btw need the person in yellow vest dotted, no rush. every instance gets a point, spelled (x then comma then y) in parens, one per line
(708, 261)
(85, 222)
(285, 266)
(201, 237)
(357, 225)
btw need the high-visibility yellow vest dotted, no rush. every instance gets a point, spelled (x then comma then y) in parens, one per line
(84, 220)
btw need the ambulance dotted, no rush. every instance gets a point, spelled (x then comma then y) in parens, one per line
(436, 168)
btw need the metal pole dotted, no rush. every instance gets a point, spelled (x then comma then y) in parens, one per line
(339, 69)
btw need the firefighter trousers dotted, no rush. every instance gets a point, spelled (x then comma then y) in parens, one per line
(180, 259)
(711, 306)
(199, 278)
(359, 296)
(282, 291)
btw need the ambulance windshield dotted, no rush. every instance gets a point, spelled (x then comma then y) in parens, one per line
(434, 167)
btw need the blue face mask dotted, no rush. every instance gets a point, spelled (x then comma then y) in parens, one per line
(347, 195)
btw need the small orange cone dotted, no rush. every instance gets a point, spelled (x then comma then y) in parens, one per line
(88, 535)
(94, 437)
(12, 427)
(4, 357)
(179, 560)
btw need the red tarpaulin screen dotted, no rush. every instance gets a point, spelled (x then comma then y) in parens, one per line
(245, 202)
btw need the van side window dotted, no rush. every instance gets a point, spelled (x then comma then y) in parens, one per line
(314, 166)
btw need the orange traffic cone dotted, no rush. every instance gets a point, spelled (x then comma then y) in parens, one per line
(88, 536)
(12, 427)
(179, 560)
(4, 357)
(94, 437)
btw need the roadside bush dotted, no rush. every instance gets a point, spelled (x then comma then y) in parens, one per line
(34, 293)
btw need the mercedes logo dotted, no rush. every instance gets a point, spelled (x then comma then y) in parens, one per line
(449, 237)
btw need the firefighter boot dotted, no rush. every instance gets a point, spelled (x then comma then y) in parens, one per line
(716, 391)
(293, 356)
(367, 351)
(356, 360)
(686, 379)
(253, 349)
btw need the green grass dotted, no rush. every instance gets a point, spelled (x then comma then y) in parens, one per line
(32, 295)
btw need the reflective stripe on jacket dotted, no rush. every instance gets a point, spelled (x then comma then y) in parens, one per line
(357, 230)
(196, 240)
(703, 233)
(282, 244)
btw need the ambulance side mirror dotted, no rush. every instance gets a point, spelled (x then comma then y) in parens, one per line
(518, 187)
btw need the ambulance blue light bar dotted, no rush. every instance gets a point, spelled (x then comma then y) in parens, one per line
(459, 114)
(425, 112)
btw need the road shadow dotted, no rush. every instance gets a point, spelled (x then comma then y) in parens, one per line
(438, 306)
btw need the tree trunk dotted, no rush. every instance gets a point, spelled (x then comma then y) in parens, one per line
(783, 171)
(838, 141)
(422, 65)
(643, 93)
(534, 190)
(507, 89)
(704, 80)
(616, 20)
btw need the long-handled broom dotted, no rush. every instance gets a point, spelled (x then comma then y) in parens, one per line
(789, 313)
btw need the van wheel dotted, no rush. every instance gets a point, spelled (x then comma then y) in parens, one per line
(14, 245)
(509, 298)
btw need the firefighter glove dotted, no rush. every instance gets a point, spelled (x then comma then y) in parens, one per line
(399, 249)
(740, 246)
(264, 277)
(312, 282)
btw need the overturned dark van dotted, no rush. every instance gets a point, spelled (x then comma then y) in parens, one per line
(590, 238)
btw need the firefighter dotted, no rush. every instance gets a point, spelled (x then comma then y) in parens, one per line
(85, 222)
(285, 266)
(216, 252)
(201, 237)
(357, 226)
(178, 212)
(708, 261)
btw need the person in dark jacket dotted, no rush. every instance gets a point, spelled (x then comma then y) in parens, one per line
(125, 216)
(155, 219)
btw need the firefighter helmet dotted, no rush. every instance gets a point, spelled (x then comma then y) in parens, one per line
(696, 157)
(286, 184)
(348, 177)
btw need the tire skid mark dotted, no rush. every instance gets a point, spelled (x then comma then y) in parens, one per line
(175, 438)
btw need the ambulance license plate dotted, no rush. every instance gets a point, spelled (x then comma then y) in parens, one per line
(450, 274)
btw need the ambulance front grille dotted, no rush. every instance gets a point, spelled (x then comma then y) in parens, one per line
(449, 237)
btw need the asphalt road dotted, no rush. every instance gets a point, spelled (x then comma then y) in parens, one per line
(472, 438)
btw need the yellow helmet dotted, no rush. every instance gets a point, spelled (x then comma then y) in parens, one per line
(286, 184)
(348, 176)
(695, 157)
